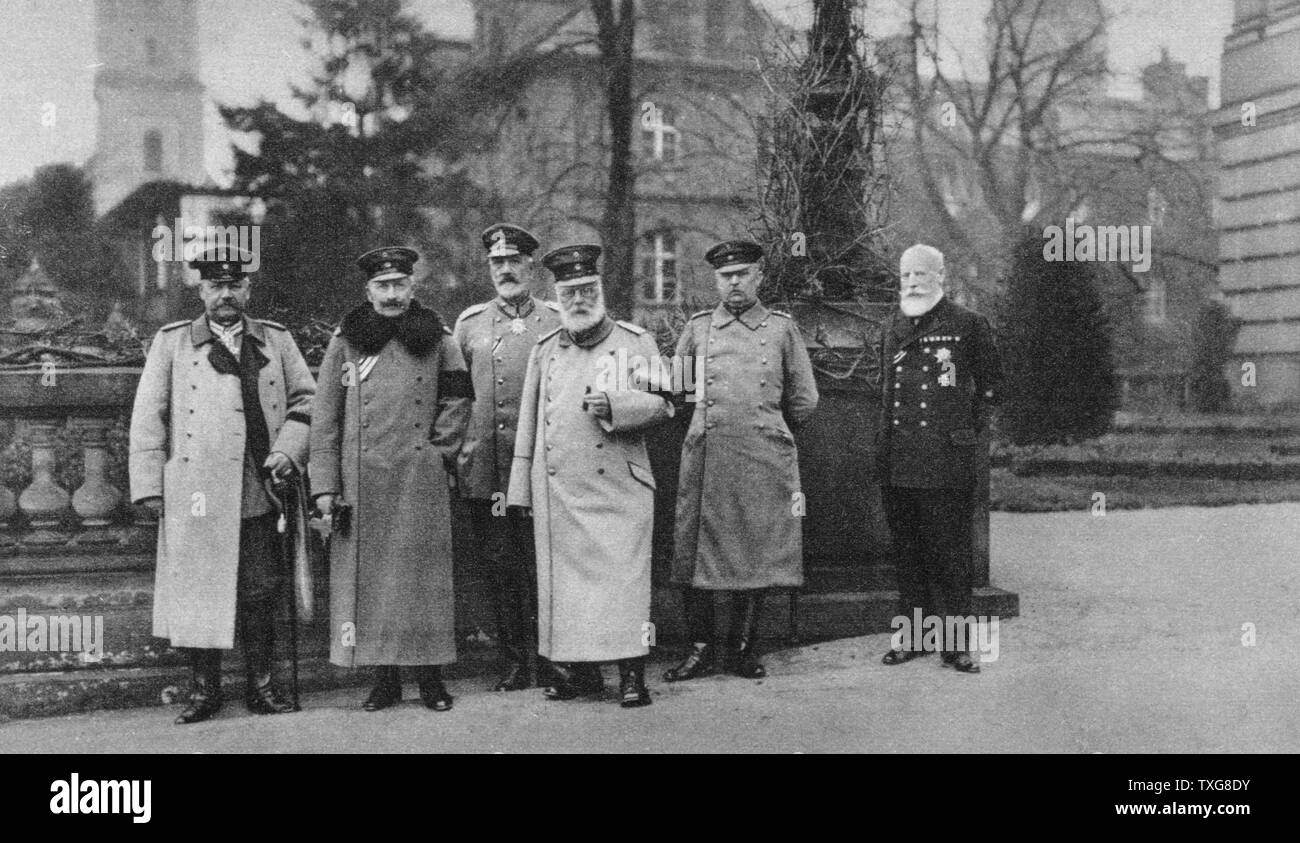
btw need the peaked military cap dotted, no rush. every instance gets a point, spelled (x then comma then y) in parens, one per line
(730, 252)
(387, 262)
(222, 263)
(573, 265)
(503, 240)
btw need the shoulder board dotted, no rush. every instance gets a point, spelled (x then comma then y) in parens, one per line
(552, 305)
(546, 336)
(174, 325)
(338, 330)
(781, 313)
(271, 324)
(446, 330)
(474, 310)
(701, 313)
(636, 329)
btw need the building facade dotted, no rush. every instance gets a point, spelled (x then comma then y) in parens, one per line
(1258, 132)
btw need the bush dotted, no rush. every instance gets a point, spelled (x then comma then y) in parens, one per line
(1060, 377)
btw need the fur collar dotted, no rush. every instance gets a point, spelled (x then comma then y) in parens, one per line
(419, 329)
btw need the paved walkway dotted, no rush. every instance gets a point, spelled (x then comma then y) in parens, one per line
(1130, 640)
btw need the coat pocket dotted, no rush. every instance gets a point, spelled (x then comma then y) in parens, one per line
(642, 474)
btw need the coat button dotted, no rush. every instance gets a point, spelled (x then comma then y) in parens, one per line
(898, 368)
(898, 403)
(365, 424)
(762, 383)
(922, 423)
(927, 350)
(925, 368)
(922, 405)
(895, 421)
(419, 378)
(500, 381)
(550, 447)
(600, 471)
(898, 386)
(419, 401)
(550, 471)
(272, 383)
(711, 402)
(762, 342)
(501, 426)
(711, 425)
(923, 386)
(764, 361)
(600, 444)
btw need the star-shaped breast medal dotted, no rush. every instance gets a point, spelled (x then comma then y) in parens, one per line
(517, 326)
(943, 355)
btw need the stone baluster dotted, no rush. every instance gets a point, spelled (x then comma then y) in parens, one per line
(96, 500)
(43, 502)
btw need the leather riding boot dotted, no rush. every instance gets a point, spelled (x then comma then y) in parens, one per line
(581, 679)
(632, 691)
(432, 692)
(746, 609)
(702, 659)
(258, 631)
(512, 638)
(205, 695)
(388, 688)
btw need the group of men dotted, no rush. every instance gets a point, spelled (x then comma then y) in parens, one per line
(535, 413)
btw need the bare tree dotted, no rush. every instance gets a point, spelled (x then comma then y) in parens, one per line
(615, 28)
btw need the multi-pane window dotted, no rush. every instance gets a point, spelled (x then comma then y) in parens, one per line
(659, 137)
(659, 267)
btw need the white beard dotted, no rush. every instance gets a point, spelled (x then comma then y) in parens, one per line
(577, 324)
(914, 307)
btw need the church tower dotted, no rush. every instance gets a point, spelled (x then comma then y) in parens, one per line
(150, 124)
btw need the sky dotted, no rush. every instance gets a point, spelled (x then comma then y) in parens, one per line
(251, 51)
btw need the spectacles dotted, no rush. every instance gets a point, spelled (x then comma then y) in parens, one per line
(589, 293)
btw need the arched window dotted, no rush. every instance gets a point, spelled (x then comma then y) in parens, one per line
(153, 151)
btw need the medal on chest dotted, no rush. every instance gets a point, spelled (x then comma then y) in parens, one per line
(517, 326)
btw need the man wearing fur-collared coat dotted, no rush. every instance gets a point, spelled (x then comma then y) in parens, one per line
(391, 408)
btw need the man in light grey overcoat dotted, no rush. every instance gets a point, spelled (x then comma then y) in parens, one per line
(223, 405)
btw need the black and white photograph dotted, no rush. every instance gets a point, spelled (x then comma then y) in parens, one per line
(647, 377)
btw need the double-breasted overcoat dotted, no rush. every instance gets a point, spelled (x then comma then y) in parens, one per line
(591, 490)
(387, 424)
(187, 446)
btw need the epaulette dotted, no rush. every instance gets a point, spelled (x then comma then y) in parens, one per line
(781, 313)
(546, 336)
(552, 305)
(338, 330)
(174, 325)
(268, 322)
(701, 313)
(636, 329)
(473, 310)
(446, 330)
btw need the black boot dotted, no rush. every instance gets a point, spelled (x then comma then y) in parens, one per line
(746, 608)
(260, 693)
(205, 696)
(582, 679)
(432, 692)
(702, 659)
(513, 640)
(632, 691)
(388, 688)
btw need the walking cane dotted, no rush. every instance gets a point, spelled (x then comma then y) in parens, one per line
(288, 498)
